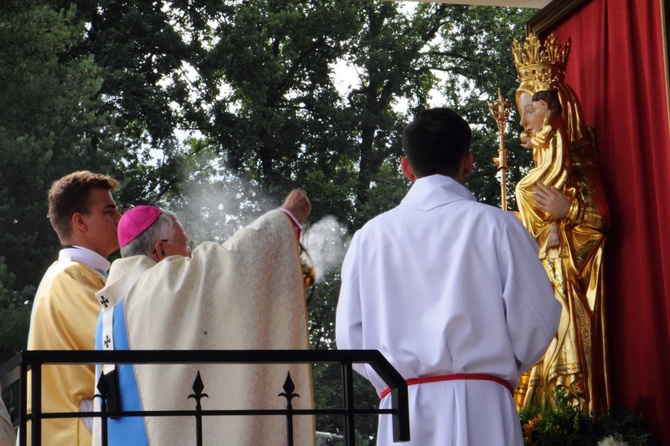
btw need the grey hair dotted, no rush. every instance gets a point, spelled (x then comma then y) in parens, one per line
(161, 229)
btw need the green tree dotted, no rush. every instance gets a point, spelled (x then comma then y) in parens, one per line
(13, 313)
(476, 60)
(47, 123)
(143, 48)
(44, 111)
(275, 115)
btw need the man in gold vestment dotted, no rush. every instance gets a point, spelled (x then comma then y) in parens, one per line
(570, 205)
(84, 215)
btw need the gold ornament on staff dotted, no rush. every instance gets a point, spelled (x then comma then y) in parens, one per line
(500, 111)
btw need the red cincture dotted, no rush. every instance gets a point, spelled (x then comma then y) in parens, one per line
(466, 376)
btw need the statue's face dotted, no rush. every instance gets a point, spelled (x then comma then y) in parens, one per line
(530, 121)
(541, 109)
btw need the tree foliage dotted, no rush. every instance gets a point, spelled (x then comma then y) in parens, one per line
(45, 112)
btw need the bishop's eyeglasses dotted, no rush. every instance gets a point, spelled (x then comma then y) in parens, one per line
(190, 245)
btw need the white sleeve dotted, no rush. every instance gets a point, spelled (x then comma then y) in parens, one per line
(532, 311)
(348, 324)
(348, 320)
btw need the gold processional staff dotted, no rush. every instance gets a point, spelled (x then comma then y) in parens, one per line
(500, 111)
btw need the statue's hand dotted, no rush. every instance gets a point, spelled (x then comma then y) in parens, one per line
(551, 201)
(525, 138)
(554, 240)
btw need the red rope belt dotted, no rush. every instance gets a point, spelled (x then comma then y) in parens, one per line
(475, 376)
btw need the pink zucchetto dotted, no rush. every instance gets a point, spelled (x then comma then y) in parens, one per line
(135, 221)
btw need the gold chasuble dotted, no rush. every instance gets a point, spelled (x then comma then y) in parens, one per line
(246, 293)
(63, 318)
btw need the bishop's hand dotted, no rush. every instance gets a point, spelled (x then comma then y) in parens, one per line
(298, 204)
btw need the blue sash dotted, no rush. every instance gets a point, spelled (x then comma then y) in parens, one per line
(123, 431)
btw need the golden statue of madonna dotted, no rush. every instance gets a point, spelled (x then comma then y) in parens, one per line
(562, 203)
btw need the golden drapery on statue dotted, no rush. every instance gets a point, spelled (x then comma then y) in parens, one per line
(570, 242)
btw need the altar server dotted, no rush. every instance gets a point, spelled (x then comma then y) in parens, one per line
(83, 213)
(451, 292)
(246, 293)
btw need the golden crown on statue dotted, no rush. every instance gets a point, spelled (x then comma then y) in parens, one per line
(540, 66)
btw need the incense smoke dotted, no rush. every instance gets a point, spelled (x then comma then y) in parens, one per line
(325, 244)
(214, 209)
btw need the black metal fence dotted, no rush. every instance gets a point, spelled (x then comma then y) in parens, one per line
(16, 369)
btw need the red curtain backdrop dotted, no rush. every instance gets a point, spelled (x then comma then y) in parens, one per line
(617, 69)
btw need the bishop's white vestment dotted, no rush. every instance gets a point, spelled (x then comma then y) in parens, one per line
(246, 294)
(444, 285)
